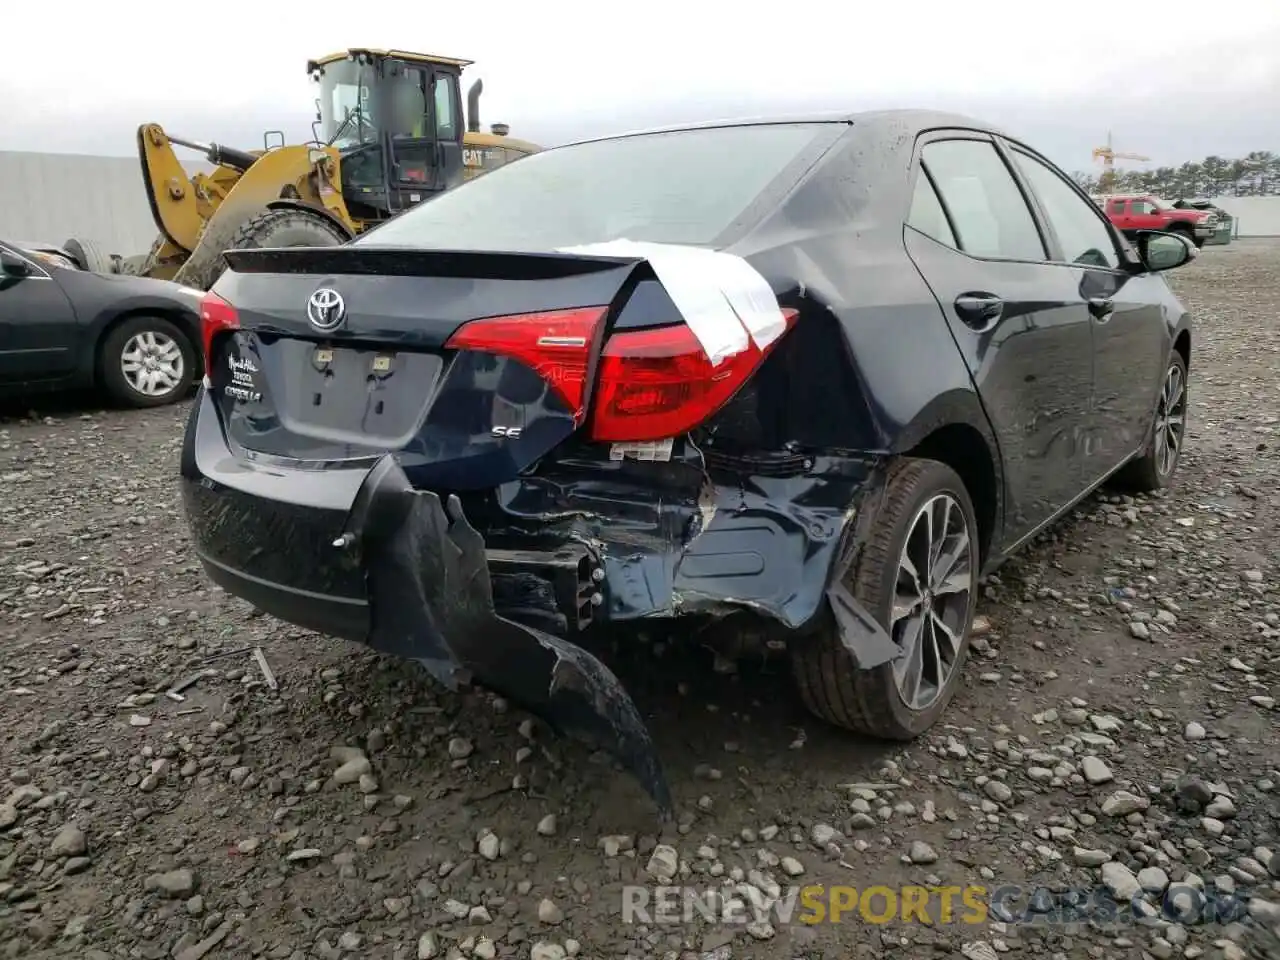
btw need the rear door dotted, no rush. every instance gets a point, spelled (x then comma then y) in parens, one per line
(1130, 336)
(1118, 210)
(1017, 318)
(38, 326)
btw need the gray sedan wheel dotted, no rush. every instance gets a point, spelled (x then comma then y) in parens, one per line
(147, 362)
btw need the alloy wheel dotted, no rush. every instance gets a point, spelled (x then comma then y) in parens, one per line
(1171, 420)
(931, 600)
(152, 363)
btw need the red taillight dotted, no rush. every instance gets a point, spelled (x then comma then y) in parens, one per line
(655, 384)
(216, 317)
(556, 344)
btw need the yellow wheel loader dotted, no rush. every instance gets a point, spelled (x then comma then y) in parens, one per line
(389, 133)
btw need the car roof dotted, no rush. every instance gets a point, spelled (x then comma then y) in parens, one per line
(34, 245)
(869, 121)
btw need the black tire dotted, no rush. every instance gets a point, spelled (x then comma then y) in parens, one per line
(1183, 231)
(829, 681)
(111, 356)
(1150, 471)
(88, 255)
(271, 228)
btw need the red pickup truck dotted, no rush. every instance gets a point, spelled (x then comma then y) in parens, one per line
(1132, 212)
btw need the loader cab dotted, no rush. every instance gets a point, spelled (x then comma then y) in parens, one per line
(397, 120)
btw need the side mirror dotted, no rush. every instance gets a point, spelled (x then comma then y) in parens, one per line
(1164, 251)
(13, 265)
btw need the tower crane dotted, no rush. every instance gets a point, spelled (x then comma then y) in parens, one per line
(1109, 156)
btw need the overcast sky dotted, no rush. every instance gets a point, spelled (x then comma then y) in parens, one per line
(1174, 80)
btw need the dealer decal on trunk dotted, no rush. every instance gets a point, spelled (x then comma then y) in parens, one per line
(243, 385)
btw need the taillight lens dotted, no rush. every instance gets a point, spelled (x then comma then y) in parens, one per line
(216, 317)
(652, 383)
(659, 383)
(556, 344)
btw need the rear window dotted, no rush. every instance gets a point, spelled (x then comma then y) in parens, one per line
(685, 186)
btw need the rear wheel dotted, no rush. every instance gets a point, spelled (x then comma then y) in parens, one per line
(917, 574)
(146, 362)
(89, 256)
(271, 228)
(1155, 468)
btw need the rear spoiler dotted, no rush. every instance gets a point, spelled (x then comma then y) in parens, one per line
(723, 299)
(415, 262)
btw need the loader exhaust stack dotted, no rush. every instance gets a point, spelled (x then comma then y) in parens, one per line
(473, 107)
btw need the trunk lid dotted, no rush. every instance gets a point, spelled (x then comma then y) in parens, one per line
(345, 353)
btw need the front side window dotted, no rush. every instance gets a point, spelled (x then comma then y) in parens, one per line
(1083, 235)
(408, 101)
(990, 216)
(1143, 207)
(683, 186)
(346, 104)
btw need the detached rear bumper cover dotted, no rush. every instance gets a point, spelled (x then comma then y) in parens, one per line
(431, 599)
(356, 552)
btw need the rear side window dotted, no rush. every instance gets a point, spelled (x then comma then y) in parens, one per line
(927, 214)
(990, 215)
(685, 186)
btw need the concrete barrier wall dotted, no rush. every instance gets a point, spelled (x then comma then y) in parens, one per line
(52, 196)
(1255, 216)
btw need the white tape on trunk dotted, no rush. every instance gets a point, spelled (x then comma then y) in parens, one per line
(723, 299)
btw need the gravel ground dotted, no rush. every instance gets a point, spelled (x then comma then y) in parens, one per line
(1115, 727)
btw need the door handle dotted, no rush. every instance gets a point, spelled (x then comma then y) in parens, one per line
(1102, 308)
(979, 311)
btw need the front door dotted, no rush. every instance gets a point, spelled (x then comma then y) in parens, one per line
(1017, 319)
(413, 159)
(425, 125)
(1130, 336)
(1144, 215)
(37, 323)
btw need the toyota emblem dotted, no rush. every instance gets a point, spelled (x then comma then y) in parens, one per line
(326, 309)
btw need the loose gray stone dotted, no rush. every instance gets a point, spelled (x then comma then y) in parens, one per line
(1153, 879)
(1122, 803)
(1120, 880)
(664, 862)
(549, 913)
(998, 790)
(352, 770)
(173, 883)
(1095, 771)
(69, 842)
(922, 853)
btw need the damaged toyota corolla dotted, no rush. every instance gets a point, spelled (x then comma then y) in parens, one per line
(801, 380)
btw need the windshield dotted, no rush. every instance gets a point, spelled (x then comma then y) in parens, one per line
(346, 104)
(685, 186)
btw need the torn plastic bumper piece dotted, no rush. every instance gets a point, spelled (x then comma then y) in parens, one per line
(431, 599)
(867, 642)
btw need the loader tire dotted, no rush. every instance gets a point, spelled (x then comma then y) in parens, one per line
(89, 256)
(873, 702)
(271, 228)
